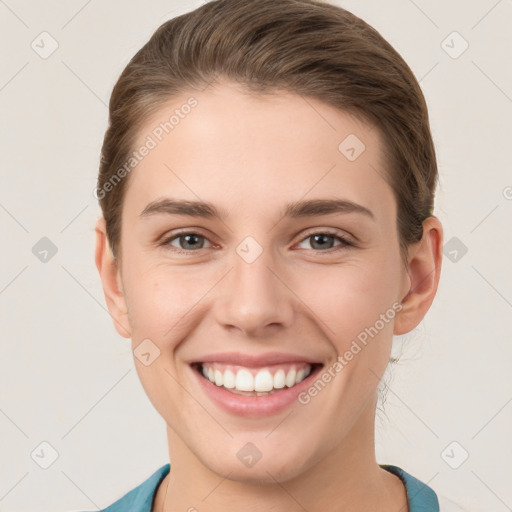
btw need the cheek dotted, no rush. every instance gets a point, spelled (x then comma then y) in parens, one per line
(161, 302)
(161, 298)
(355, 301)
(165, 300)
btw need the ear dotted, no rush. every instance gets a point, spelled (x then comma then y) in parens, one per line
(423, 269)
(111, 280)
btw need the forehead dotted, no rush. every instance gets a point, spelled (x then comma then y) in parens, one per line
(253, 151)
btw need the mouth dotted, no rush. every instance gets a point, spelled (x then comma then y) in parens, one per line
(253, 381)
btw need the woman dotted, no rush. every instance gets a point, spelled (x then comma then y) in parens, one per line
(267, 184)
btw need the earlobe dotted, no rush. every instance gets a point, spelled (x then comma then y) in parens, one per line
(423, 268)
(111, 281)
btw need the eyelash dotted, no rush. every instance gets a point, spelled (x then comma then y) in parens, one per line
(345, 243)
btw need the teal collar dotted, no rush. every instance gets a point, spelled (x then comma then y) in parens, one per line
(420, 496)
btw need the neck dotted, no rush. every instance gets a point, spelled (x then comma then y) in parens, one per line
(348, 478)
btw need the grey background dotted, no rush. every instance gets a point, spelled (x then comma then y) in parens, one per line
(68, 379)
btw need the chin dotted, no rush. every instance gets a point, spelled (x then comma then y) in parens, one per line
(269, 469)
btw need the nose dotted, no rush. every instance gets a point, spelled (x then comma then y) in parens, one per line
(254, 297)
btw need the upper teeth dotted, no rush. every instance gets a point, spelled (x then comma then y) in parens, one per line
(261, 380)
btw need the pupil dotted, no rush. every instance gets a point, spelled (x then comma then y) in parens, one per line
(318, 239)
(188, 237)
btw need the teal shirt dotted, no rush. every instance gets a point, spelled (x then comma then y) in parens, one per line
(420, 496)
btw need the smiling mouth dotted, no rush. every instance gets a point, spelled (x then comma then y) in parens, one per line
(262, 381)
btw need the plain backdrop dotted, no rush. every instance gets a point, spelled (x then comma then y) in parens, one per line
(69, 394)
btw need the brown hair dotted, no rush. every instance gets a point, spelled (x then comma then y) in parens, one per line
(305, 47)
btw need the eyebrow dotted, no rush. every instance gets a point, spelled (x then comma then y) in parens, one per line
(298, 209)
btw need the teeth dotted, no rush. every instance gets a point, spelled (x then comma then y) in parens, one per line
(263, 381)
(244, 381)
(218, 377)
(229, 379)
(279, 379)
(260, 382)
(300, 375)
(290, 378)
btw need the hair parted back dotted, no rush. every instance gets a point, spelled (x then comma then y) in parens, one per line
(306, 47)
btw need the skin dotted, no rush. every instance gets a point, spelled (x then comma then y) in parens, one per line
(250, 155)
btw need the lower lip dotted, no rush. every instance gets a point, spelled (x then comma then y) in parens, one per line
(265, 405)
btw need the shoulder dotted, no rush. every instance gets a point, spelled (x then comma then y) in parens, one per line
(421, 497)
(140, 499)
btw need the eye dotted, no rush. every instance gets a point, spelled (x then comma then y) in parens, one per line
(187, 241)
(324, 241)
(190, 241)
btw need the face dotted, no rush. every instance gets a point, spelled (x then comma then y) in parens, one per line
(296, 266)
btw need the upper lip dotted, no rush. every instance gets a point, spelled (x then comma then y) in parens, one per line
(254, 361)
